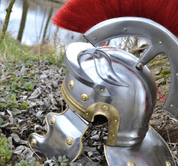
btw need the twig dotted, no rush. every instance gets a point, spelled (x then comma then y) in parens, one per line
(3, 79)
(168, 135)
(6, 22)
(175, 157)
(172, 143)
(87, 157)
(101, 125)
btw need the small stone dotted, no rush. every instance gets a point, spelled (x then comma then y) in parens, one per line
(175, 153)
(105, 138)
(90, 153)
(55, 84)
(46, 104)
(158, 71)
(24, 98)
(24, 92)
(95, 137)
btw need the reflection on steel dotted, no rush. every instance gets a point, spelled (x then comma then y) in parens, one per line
(152, 151)
(136, 100)
(115, 84)
(154, 33)
(95, 109)
(62, 138)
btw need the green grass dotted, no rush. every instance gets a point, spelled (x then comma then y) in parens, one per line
(165, 73)
(12, 51)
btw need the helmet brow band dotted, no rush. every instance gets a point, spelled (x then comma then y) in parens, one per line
(95, 109)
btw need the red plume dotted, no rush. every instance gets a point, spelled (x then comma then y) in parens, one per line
(81, 15)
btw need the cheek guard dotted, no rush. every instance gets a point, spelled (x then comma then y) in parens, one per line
(113, 83)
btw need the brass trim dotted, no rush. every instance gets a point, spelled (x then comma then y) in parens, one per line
(81, 144)
(71, 84)
(95, 109)
(105, 154)
(52, 121)
(131, 163)
(76, 106)
(69, 141)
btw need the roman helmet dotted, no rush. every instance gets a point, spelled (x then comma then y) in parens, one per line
(113, 83)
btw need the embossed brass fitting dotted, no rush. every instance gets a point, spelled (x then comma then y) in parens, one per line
(69, 141)
(168, 163)
(33, 142)
(52, 120)
(71, 84)
(84, 97)
(105, 107)
(131, 163)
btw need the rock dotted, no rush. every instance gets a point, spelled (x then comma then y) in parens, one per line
(35, 94)
(158, 71)
(55, 84)
(95, 137)
(46, 104)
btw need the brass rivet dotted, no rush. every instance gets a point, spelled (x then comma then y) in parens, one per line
(140, 65)
(33, 142)
(105, 107)
(52, 120)
(71, 84)
(69, 141)
(131, 163)
(168, 163)
(84, 97)
(102, 90)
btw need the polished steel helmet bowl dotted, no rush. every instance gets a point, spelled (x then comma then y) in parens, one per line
(115, 84)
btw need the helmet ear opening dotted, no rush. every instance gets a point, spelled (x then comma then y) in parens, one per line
(100, 120)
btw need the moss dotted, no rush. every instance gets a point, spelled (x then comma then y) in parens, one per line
(165, 73)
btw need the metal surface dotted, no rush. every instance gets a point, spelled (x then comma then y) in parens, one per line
(136, 100)
(72, 61)
(84, 97)
(152, 151)
(161, 41)
(115, 84)
(95, 109)
(71, 84)
(62, 138)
